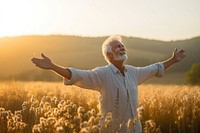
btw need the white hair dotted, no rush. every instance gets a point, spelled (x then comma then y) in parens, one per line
(106, 46)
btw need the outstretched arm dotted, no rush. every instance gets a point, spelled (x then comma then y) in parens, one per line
(176, 57)
(46, 63)
(157, 69)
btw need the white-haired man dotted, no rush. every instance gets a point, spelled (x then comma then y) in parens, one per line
(116, 82)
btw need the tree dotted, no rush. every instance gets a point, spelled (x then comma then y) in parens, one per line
(193, 75)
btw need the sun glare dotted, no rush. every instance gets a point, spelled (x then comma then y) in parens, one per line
(12, 15)
(149, 19)
(18, 17)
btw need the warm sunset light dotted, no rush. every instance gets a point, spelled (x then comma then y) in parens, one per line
(23, 17)
(164, 20)
(15, 17)
(93, 66)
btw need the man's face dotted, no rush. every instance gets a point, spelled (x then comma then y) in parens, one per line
(119, 51)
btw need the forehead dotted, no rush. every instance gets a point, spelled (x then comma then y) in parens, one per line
(116, 43)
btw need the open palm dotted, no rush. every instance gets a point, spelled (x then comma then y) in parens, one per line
(178, 55)
(44, 63)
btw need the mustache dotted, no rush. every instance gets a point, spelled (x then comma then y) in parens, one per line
(122, 52)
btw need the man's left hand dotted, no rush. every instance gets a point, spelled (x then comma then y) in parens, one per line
(178, 55)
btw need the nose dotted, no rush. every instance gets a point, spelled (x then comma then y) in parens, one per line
(122, 48)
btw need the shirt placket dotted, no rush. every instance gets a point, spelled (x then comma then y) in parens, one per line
(128, 93)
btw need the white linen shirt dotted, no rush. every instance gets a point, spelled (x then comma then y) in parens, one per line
(118, 93)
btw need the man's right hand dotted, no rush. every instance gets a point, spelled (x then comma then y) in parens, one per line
(44, 63)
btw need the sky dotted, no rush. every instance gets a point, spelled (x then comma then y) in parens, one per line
(152, 19)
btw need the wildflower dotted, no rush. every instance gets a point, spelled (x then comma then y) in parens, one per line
(32, 99)
(93, 112)
(140, 111)
(150, 127)
(36, 129)
(41, 104)
(129, 125)
(24, 105)
(91, 120)
(80, 115)
(51, 120)
(46, 104)
(74, 106)
(86, 116)
(94, 129)
(62, 102)
(2, 109)
(61, 121)
(108, 120)
(77, 120)
(42, 120)
(80, 110)
(54, 98)
(84, 124)
(68, 102)
(84, 130)
(60, 105)
(59, 129)
(48, 99)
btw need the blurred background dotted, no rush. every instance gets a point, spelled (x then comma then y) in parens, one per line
(71, 33)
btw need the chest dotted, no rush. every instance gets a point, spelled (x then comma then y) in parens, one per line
(124, 85)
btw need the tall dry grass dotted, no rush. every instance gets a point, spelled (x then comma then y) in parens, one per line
(53, 107)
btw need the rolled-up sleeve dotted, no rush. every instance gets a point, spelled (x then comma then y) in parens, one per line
(145, 73)
(89, 79)
(73, 77)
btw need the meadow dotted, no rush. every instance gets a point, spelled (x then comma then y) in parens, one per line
(46, 107)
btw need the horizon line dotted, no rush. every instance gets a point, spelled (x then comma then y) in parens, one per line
(100, 36)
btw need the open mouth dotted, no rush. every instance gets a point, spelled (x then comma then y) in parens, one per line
(122, 52)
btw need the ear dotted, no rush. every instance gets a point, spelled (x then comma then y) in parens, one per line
(109, 55)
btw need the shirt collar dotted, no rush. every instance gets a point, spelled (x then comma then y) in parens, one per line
(114, 69)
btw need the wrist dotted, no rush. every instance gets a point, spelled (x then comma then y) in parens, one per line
(173, 60)
(52, 66)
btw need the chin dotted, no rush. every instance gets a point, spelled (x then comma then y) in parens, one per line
(122, 57)
(125, 57)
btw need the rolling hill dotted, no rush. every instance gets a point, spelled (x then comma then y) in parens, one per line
(85, 53)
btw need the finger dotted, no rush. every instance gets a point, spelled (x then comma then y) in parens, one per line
(43, 55)
(37, 65)
(183, 55)
(181, 51)
(175, 50)
(35, 60)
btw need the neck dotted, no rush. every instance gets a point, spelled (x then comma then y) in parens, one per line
(119, 65)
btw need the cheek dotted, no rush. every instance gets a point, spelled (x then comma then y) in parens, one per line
(117, 50)
(110, 55)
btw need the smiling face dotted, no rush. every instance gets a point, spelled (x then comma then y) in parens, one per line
(118, 51)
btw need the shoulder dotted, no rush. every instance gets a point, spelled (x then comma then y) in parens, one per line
(130, 67)
(102, 69)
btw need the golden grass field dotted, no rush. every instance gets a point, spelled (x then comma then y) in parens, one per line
(52, 107)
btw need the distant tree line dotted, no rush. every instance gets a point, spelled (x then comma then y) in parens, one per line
(193, 75)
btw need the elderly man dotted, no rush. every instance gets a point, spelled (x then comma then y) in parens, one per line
(117, 83)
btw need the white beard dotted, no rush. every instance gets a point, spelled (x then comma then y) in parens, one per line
(121, 56)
